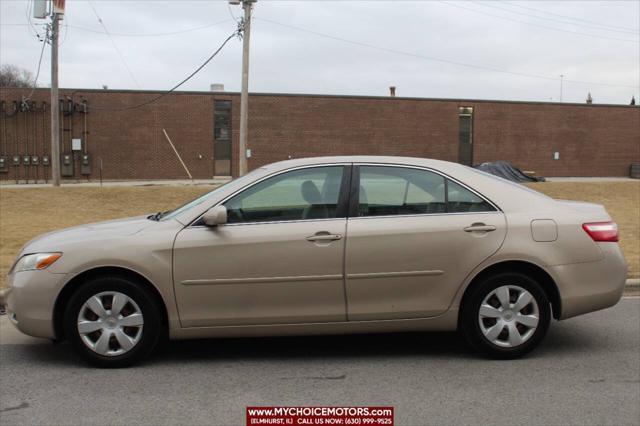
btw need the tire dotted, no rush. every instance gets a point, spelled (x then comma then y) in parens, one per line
(138, 325)
(501, 333)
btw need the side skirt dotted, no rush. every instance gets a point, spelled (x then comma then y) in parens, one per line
(445, 322)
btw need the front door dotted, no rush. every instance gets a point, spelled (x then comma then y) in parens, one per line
(278, 260)
(413, 237)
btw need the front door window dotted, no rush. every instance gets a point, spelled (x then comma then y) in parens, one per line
(304, 194)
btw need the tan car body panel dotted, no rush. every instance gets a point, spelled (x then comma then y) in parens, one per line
(135, 244)
(287, 290)
(412, 268)
(264, 273)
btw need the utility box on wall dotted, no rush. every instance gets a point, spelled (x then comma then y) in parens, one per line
(3, 165)
(85, 164)
(66, 165)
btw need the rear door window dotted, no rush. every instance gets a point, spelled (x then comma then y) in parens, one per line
(386, 191)
(461, 200)
(395, 191)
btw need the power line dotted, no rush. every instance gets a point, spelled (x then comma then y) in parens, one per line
(66, 30)
(169, 33)
(30, 22)
(446, 61)
(213, 55)
(537, 25)
(152, 34)
(115, 46)
(42, 38)
(231, 13)
(590, 26)
(635, 30)
(35, 80)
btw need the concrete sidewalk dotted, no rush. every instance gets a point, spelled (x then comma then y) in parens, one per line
(221, 180)
(80, 184)
(591, 179)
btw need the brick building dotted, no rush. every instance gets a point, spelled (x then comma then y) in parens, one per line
(549, 138)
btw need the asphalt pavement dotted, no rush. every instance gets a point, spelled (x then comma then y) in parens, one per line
(587, 372)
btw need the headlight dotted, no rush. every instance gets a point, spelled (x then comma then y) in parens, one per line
(30, 262)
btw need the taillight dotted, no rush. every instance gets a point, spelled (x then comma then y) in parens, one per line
(602, 231)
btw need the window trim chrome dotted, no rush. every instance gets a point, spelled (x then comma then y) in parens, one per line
(423, 214)
(353, 164)
(277, 173)
(438, 172)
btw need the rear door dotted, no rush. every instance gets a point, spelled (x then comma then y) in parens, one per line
(413, 237)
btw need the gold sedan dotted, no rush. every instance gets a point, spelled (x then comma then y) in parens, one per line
(320, 246)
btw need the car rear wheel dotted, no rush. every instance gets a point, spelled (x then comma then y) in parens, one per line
(505, 316)
(112, 322)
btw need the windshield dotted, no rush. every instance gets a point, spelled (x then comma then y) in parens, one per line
(238, 182)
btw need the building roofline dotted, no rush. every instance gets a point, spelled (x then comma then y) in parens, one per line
(317, 95)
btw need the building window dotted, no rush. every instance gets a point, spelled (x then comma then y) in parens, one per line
(465, 135)
(222, 138)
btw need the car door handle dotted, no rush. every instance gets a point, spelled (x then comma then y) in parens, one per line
(324, 236)
(480, 227)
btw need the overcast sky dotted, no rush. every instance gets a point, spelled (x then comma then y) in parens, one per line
(443, 49)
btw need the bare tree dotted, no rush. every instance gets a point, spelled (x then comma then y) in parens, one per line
(14, 76)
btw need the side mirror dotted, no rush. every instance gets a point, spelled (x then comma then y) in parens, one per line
(215, 216)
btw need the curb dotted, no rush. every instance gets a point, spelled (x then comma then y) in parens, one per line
(632, 286)
(633, 282)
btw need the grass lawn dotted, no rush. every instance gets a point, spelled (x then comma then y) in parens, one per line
(26, 213)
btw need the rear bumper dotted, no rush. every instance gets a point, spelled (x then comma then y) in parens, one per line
(591, 286)
(31, 300)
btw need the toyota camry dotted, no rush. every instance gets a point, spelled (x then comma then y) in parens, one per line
(328, 245)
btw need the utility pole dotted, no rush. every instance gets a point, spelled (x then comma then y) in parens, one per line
(55, 105)
(561, 81)
(247, 5)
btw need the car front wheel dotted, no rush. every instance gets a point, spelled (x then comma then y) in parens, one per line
(112, 322)
(506, 316)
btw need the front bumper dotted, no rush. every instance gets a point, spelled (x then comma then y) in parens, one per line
(591, 286)
(31, 299)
